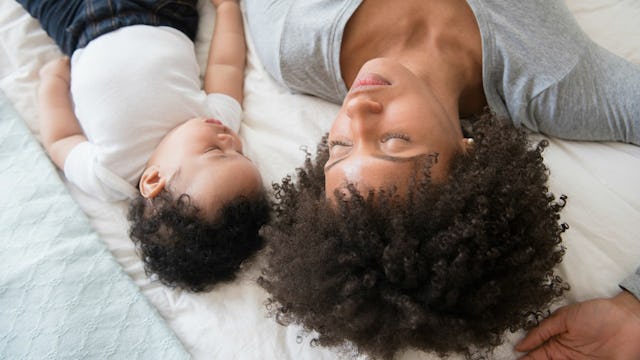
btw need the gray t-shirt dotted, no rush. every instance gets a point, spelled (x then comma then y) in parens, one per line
(632, 283)
(540, 70)
(298, 41)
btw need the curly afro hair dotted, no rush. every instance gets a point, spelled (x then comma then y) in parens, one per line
(184, 250)
(449, 267)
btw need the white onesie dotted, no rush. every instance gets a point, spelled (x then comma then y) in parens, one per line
(130, 87)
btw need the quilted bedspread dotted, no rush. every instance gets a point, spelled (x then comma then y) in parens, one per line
(62, 294)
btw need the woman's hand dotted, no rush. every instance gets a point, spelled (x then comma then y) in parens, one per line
(595, 329)
(217, 3)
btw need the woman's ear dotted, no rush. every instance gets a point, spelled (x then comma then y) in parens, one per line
(151, 182)
(467, 145)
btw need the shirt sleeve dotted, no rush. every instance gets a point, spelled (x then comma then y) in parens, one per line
(82, 169)
(597, 101)
(226, 109)
(632, 283)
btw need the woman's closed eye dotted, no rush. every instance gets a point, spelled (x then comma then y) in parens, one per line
(333, 143)
(395, 141)
(338, 147)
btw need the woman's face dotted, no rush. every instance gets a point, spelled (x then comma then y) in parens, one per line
(389, 121)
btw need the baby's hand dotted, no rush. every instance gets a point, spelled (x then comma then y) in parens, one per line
(217, 3)
(57, 68)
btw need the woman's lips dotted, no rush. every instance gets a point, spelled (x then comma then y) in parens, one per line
(370, 79)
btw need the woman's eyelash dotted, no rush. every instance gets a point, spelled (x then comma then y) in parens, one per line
(390, 136)
(333, 143)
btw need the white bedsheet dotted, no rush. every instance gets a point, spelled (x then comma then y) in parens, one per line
(600, 179)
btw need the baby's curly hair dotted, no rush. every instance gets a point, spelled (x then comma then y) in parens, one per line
(447, 268)
(184, 250)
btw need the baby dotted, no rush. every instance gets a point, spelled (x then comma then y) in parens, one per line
(128, 119)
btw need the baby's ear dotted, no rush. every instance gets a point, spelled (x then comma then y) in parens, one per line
(151, 182)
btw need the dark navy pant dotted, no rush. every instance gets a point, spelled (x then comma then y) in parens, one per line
(74, 23)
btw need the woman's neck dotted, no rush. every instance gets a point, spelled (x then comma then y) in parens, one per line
(438, 40)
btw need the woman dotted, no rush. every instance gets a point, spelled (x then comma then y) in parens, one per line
(432, 237)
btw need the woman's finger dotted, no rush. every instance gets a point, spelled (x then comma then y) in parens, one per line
(554, 325)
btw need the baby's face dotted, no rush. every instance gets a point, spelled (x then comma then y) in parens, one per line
(204, 159)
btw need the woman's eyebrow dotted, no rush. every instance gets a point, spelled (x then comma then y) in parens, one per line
(395, 159)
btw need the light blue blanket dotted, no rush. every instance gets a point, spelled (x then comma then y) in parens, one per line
(62, 294)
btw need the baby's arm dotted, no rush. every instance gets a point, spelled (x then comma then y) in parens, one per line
(59, 126)
(227, 54)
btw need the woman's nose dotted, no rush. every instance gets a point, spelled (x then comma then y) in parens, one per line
(360, 106)
(362, 113)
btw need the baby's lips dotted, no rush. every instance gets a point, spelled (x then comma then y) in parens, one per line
(214, 121)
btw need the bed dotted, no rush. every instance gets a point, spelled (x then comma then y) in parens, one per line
(601, 181)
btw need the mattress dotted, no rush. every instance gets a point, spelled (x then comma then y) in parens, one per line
(231, 321)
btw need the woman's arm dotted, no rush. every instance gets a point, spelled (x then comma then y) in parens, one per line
(59, 126)
(227, 55)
